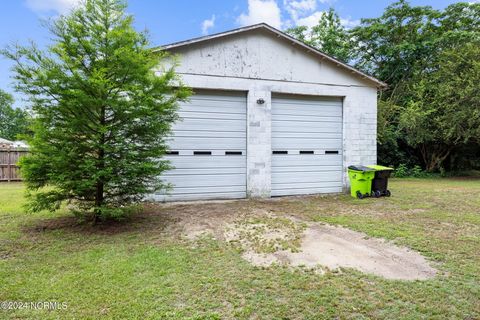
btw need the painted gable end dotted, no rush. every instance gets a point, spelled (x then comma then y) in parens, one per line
(258, 54)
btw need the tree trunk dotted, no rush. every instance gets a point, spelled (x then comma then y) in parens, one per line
(98, 200)
(434, 156)
(100, 184)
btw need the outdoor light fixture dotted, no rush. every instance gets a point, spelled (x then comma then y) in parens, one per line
(260, 101)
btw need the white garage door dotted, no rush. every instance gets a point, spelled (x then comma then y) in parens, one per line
(208, 149)
(306, 145)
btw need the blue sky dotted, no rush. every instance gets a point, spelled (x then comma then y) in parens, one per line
(174, 20)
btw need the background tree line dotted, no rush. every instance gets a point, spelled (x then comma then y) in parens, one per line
(14, 122)
(430, 113)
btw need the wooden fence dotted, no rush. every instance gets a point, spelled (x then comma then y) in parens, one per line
(9, 157)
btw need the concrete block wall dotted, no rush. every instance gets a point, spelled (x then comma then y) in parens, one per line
(259, 142)
(360, 128)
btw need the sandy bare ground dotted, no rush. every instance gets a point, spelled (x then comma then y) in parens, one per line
(268, 238)
(336, 247)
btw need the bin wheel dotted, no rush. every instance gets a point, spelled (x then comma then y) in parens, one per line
(359, 195)
(387, 193)
(377, 194)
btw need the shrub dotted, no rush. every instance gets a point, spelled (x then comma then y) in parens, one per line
(417, 172)
(402, 171)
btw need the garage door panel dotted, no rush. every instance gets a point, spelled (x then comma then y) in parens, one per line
(301, 101)
(306, 124)
(305, 111)
(215, 189)
(213, 180)
(213, 105)
(306, 98)
(208, 107)
(308, 189)
(198, 172)
(303, 168)
(305, 177)
(289, 131)
(207, 143)
(304, 185)
(279, 126)
(216, 95)
(305, 160)
(186, 116)
(304, 107)
(307, 118)
(207, 134)
(200, 162)
(198, 195)
(308, 144)
(217, 125)
(212, 122)
(307, 135)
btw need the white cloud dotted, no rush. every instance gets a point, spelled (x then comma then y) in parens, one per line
(297, 8)
(59, 6)
(304, 13)
(261, 11)
(311, 20)
(299, 13)
(349, 23)
(208, 24)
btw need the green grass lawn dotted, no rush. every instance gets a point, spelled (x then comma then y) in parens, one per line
(147, 270)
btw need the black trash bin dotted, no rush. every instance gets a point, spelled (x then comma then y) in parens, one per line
(380, 182)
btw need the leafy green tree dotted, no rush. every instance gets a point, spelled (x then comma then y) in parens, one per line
(14, 122)
(407, 47)
(395, 45)
(459, 23)
(444, 112)
(102, 114)
(328, 36)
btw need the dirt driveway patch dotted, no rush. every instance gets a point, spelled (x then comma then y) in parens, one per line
(337, 247)
(268, 237)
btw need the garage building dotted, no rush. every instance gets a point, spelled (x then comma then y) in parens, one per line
(270, 116)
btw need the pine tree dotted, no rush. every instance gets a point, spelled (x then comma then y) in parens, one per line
(102, 115)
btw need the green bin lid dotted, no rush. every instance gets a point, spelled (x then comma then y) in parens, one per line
(361, 168)
(378, 168)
